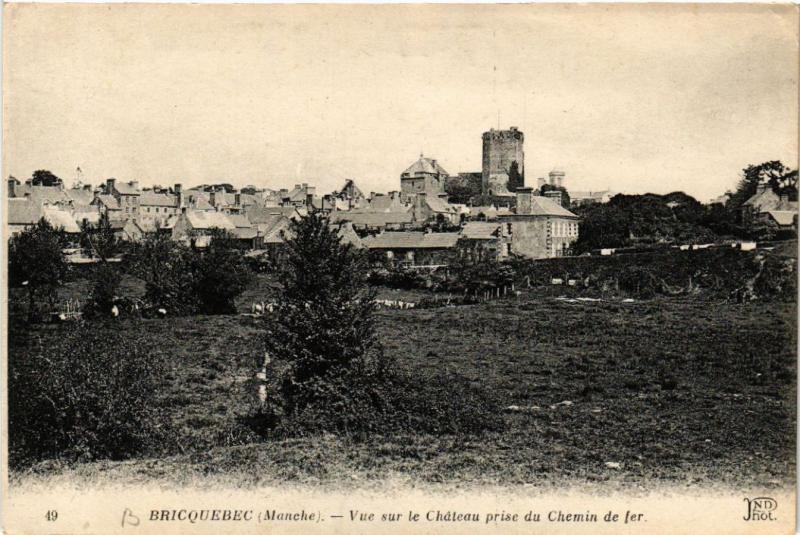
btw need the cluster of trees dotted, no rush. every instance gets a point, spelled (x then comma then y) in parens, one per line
(679, 218)
(184, 280)
(179, 279)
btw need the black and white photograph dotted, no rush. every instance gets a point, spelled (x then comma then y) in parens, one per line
(424, 268)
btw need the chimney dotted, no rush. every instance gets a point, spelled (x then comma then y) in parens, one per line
(554, 195)
(110, 186)
(212, 198)
(87, 187)
(134, 184)
(178, 195)
(12, 187)
(237, 199)
(524, 201)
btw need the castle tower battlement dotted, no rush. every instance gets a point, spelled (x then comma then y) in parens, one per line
(502, 150)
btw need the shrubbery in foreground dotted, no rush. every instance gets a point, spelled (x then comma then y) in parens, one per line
(328, 372)
(91, 394)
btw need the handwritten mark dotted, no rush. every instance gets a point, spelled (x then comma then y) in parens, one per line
(129, 518)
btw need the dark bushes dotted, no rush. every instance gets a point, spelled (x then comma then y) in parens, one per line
(185, 281)
(91, 394)
(357, 403)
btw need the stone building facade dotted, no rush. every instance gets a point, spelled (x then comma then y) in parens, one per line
(540, 228)
(501, 149)
(423, 176)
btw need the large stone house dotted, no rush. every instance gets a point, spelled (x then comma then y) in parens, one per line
(539, 227)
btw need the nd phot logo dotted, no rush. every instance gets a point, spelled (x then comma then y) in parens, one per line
(760, 509)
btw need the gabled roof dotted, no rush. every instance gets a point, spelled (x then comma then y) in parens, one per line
(784, 218)
(239, 220)
(412, 240)
(198, 200)
(51, 194)
(61, 219)
(23, 211)
(259, 214)
(200, 219)
(480, 230)
(542, 206)
(278, 231)
(350, 190)
(245, 233)
(109, 201)
(439, 205)
(80, 195)
(125, 188)
(298, 194)
(151, 198)
(373, 219)
(424, 166)
(348, 235)
(388, 203)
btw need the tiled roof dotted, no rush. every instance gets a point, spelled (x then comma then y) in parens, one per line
(200, 219)
(245, 233)
(80, 195)
(124, 188)
(373, 219)
(198, 200)
(61, 219)
(412, 240)
(387, 203)
(542, 206)
(424, 165)
(22, 211)
(348, 235)
(51, 194)
(150, 198)
(259, 214)
(278, 232)
(783, 217)
(109, 201)
(440, 205)
(480, 230)
(239, 220)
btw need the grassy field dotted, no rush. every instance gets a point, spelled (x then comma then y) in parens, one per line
(675, 391)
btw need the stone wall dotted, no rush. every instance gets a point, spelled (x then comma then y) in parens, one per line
(500, 149)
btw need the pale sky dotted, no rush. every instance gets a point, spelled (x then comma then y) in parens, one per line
(631, 97)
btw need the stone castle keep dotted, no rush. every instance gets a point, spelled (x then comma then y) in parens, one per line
(501, 149)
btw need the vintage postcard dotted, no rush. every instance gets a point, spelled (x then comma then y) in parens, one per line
(415, 268)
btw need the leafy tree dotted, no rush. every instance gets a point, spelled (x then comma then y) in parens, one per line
(324, 320)
(99, 241)
(221, 274)
(515, 178)
(36, 262)
(779, 177)
(463, 188)
(167, 269)
(43, 177)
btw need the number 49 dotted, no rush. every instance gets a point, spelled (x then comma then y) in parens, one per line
(51, 515)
